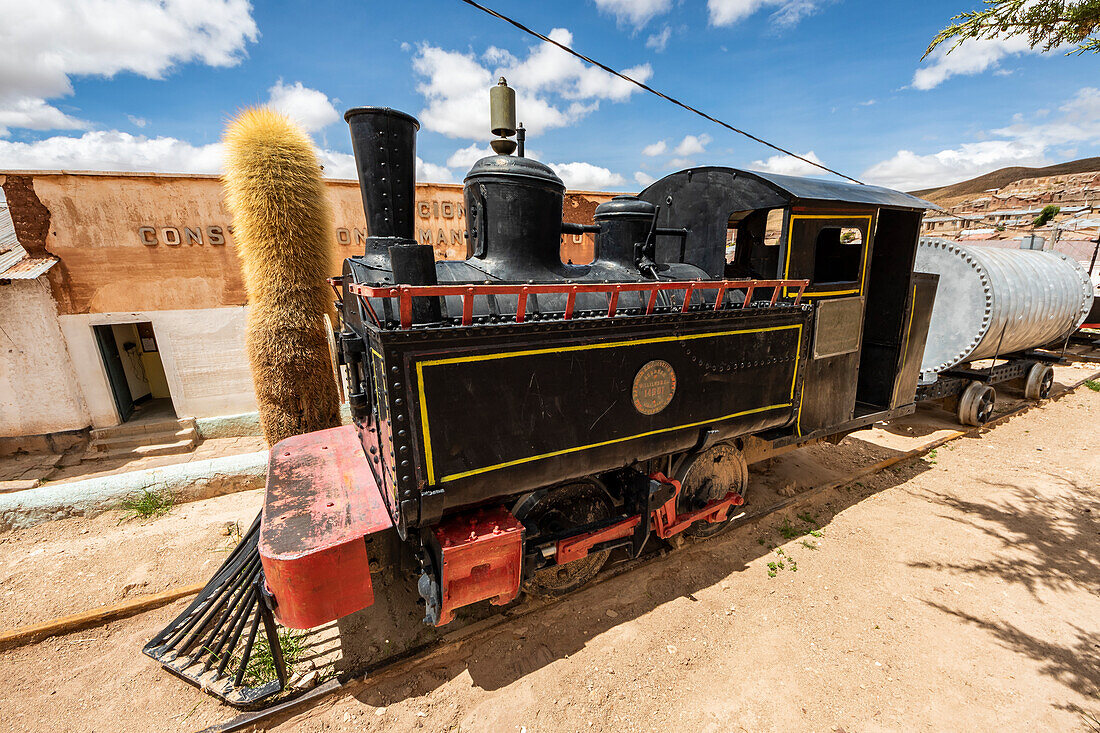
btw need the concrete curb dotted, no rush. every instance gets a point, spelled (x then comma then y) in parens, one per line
(184, 481)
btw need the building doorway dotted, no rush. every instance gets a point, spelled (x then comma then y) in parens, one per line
(135, 372)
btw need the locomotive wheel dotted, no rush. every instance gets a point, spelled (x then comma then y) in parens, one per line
(560, 509)
(1040, 380)
(976, 404)
(707, 476)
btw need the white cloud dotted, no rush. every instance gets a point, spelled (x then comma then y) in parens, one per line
(553, 89)
(659, 41)
(112, 151)
(643, 179)
(432, 173)
(634, 12)
(1022, 143)
(308, 107)
(908, 171)
(35, 114)
(655, 149)
(788, 165)
(1079, 122)
(787, 12)
(587, 177)
(681, 163)
(499, 56)
(467, 156)
(43, 50)
(137, 121)
(692, 145)
(971, 57)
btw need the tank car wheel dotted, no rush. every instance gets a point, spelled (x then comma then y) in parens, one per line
(1040, 380)
(976, 404)
(710, 475)
(559, 509)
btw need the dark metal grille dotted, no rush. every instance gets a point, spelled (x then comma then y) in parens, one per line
(201, 644)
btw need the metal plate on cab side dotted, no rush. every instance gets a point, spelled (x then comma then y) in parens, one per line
(654, 387)
(838, 326)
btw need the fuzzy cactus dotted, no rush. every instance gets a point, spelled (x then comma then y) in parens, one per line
(283, 231)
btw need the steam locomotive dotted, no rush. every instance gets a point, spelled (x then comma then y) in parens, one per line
(518, 419)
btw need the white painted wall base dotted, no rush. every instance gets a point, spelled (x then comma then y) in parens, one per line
(202, 351)
(38, 386)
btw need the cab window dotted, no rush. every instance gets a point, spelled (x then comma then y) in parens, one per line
(837, 254)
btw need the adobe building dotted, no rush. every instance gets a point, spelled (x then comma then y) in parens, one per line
(124, 289)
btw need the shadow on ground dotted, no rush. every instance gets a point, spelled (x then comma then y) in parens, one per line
(535, 633)
(1048, 543)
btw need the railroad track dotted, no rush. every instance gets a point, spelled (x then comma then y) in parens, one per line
(395, 666)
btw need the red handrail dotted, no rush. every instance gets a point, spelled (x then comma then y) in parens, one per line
(405, 293)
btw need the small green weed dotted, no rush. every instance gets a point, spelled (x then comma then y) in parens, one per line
(932, 457)
(261, 666)
(1093, 384)
(789, 531)
(809, 545)
(147, 504)
(785, 562)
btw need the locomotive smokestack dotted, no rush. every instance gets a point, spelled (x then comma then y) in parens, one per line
(384, 143)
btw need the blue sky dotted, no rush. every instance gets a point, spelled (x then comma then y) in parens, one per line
(144, 85)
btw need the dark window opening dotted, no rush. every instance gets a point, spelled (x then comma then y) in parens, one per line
(837, 255)
(751, 239)
(773, 227)
(731, 241)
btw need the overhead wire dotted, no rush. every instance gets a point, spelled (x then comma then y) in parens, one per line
(660, 94)
(683, 105)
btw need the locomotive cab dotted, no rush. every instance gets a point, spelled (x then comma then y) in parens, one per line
(855, 246)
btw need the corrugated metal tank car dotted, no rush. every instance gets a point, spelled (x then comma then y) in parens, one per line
(995, 312)
(518, 419)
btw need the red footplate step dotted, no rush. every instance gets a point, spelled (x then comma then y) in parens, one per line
(482, 559)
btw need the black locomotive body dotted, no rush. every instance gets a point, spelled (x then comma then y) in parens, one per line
(512, 374)
(517, 418)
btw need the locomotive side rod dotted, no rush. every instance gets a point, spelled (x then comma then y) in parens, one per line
(405, 661)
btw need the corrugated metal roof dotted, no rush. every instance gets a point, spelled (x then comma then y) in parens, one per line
(7, 229)
(14, 262)
(29, 268)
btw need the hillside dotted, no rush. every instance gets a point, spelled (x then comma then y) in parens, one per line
(1000, 178)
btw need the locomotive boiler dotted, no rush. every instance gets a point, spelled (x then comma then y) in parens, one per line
(518, 419)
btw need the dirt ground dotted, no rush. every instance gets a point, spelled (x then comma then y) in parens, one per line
(960, 591)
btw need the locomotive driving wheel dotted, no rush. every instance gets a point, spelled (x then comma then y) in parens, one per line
(558, 510)
(707, 476)
(976, 404)
(1040, 380)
